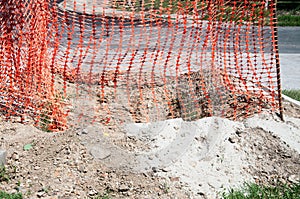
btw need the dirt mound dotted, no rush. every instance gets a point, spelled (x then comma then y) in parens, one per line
(217, 155)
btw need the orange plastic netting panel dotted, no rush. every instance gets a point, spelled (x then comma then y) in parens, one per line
(114, 62)
(27, 75)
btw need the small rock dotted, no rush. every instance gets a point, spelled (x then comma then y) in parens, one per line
(201, 194)
(113, 175)
(232, 139)
(211, 185)
(176, 128)
(239, 132)
(256, 179)
(260, 157)
(14, 191)
(155, 169)
(82, 169)
(123, 188)
(151, 157)
(41, 194)
(3, 154)
(84, 131)
(286, 155)
(15, 156)
(92, 192)
(174, 179)
(165, 169)
(294, 178)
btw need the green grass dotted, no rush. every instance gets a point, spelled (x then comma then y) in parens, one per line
(254, 191)
(4, 195)
(288, 14)
(4, 176)
(288, 20)
(295, 94)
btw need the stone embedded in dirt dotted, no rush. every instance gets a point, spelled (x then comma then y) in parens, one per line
(201, 194)
(3, 154)
(82, 169)
(174, 179)
(123, 188)
(233, 140)
(165, 169)
(15, 156)
(92, 192)
(239, 132)
(155, 169)
(41, 194)
(294, 178)
(260, 157)
(84, 131)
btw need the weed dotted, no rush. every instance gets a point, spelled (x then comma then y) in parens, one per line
(103, 196)
(18, 187)
(3, 174)
(165, 188)
(53, 117)
(45, 121)
(28, 193)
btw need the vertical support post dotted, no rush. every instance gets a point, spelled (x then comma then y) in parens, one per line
(275, 29)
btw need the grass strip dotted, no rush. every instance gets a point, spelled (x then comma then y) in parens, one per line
(294, 93)
(254, 191)
(288, 20)
(4, 195)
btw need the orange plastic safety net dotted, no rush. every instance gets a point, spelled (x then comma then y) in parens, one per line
(118, 61)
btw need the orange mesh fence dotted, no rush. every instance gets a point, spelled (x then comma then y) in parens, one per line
(118, 61)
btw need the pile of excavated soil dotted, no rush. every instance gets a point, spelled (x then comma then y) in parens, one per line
(155, 160)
